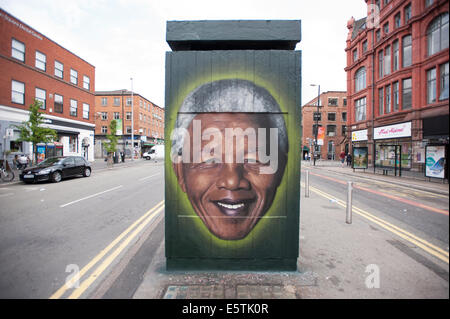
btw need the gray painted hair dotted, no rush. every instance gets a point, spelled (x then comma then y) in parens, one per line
(235, 95)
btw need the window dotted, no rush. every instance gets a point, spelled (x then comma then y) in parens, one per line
(116, 115)
(128, 101)
(381, 101)
(407, 13)
(360, 79)
(345, 102)
(431, 86)
(437, 34)
(443, 79)
(128, 115)
(332, 101)
(41, 61)
(355, 55)
(116, 101)
(380, 64)
(85, 111)
(406, 94)
(73, 107)
(73, 144)
(378, 35)
(386, 28)
(104, 101)
(104, 116)
(140, 103)
(428, 3)
(344, 116)
(388, 99)
(104, 129)
(385, 2)
(407, 48)
(314, 129)
(343, 130)
(331, 130)
(86, 82)
(41, 95)
(73, 76)
(17, 92)
(58, 103)
(397, 20)
(331, 116)
(59, 69)
(396, 54)
(387, 60)
(128, 129)
(18, 50)
(364, 46)
(360, 109)
(396, 98)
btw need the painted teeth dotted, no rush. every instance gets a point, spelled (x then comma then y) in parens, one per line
(237, 206)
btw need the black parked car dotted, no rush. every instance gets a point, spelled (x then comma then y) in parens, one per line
(56, 168)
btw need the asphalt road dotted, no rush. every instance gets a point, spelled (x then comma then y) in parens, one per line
(422, 213)
(109, 226)
(49, 232)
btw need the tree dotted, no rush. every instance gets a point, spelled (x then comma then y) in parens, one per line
(32, 130)
(111, 145)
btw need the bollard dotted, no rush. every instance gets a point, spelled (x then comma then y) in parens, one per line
(348, 218)
(307, 184)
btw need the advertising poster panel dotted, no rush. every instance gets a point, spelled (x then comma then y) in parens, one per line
(360, 157)
(435, 161)
(320, 135)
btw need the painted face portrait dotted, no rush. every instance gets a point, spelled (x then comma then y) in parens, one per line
(230, 163)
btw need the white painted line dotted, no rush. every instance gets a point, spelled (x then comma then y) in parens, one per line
(90, 196)
(7, 194)
(144, 178)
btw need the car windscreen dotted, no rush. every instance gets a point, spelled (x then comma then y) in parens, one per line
(50, 161)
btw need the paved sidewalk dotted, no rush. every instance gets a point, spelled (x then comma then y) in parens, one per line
(337, 260)
(410, 179)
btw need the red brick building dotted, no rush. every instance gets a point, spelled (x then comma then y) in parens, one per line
(35, 67)
(148, 120)
(333, 120)
(398, 82)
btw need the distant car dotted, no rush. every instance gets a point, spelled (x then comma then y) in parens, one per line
(56, 168)
(149, 155)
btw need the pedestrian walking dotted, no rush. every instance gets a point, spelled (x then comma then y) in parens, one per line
(342, 158)
(349, 159)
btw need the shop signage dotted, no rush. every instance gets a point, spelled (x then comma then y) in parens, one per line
(360, 135)
(435, 161)
(392, 131)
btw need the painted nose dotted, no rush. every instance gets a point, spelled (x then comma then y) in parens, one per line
(232, 178)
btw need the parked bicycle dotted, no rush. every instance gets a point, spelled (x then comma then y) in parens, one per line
(6, 172)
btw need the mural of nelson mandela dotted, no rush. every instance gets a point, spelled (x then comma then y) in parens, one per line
(229, 152)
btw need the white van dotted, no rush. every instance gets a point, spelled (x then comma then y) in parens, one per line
(156, 153)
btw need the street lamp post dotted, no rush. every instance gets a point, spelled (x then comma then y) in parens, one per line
(316, 147)
(132, 122)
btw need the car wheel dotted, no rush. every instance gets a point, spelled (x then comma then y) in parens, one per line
(147, 158)
(87, 172)
(56, 177)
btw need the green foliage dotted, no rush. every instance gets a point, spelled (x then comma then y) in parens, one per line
(112, 137)
(32, 130)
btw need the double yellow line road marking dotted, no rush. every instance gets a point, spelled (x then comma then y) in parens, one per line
(419, 242)
(134, 229)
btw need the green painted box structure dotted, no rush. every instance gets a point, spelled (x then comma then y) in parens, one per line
(232, 168)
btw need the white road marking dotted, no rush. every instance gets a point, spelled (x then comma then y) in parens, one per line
(144, 178)
(6, 194)
(90, 196)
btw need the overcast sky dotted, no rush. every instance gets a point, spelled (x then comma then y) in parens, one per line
(126, 38)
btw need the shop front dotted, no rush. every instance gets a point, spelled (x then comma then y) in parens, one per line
(393, 148)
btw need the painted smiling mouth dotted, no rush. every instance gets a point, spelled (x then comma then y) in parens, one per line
(233, 208)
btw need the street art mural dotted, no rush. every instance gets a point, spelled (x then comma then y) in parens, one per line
(232, 166)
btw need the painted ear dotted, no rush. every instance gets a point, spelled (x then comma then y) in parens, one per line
(178, 169)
